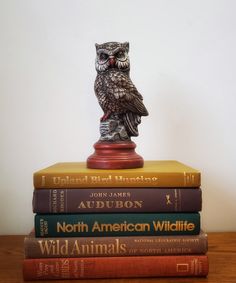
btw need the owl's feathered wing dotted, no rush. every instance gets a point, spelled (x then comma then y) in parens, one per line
(132, 101)
(122, 97)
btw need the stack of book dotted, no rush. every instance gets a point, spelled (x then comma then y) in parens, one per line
(93, 223)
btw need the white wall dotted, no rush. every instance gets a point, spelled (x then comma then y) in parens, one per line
(182, 60)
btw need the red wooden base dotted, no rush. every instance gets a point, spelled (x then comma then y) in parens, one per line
(114, 155)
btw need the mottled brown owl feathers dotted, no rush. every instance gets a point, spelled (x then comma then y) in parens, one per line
(116, 93)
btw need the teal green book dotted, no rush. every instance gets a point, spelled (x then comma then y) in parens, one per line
(117, 224)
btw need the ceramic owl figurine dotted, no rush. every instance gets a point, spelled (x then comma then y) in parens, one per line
(118, 97)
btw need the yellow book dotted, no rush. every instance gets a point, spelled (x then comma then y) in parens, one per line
(163, 173)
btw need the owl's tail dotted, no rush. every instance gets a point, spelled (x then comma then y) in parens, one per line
(131, 122)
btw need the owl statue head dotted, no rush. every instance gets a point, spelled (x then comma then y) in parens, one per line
(112, 55)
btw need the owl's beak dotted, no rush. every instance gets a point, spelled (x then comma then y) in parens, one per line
(112, 61)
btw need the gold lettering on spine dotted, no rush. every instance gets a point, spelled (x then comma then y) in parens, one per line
(72, 228)
(99, 204)
(189, 179)
(182, 267)
(43, 227)
(119, 204)
(91, 248)
(64, 181)
(99, 179)
(168, 201)
(177, 200)
(54, 201)
(53, 247)
(82, 205)
(123, 227)
(142, 179)
(62, 201)
(65, 268)
(176, 226)
(75, 249)
(116, 227)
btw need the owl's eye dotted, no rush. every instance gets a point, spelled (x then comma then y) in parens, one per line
(120, 54)
(103, 56)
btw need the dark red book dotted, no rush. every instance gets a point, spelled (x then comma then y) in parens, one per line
(115, 267)
(95, 200)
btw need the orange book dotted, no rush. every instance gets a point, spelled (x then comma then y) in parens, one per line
(115, 267)
(164, 173)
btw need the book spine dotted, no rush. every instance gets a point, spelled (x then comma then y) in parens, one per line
(116, 224)
(113, 179)
(115, 267)
(117, 200)
(114, 246)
